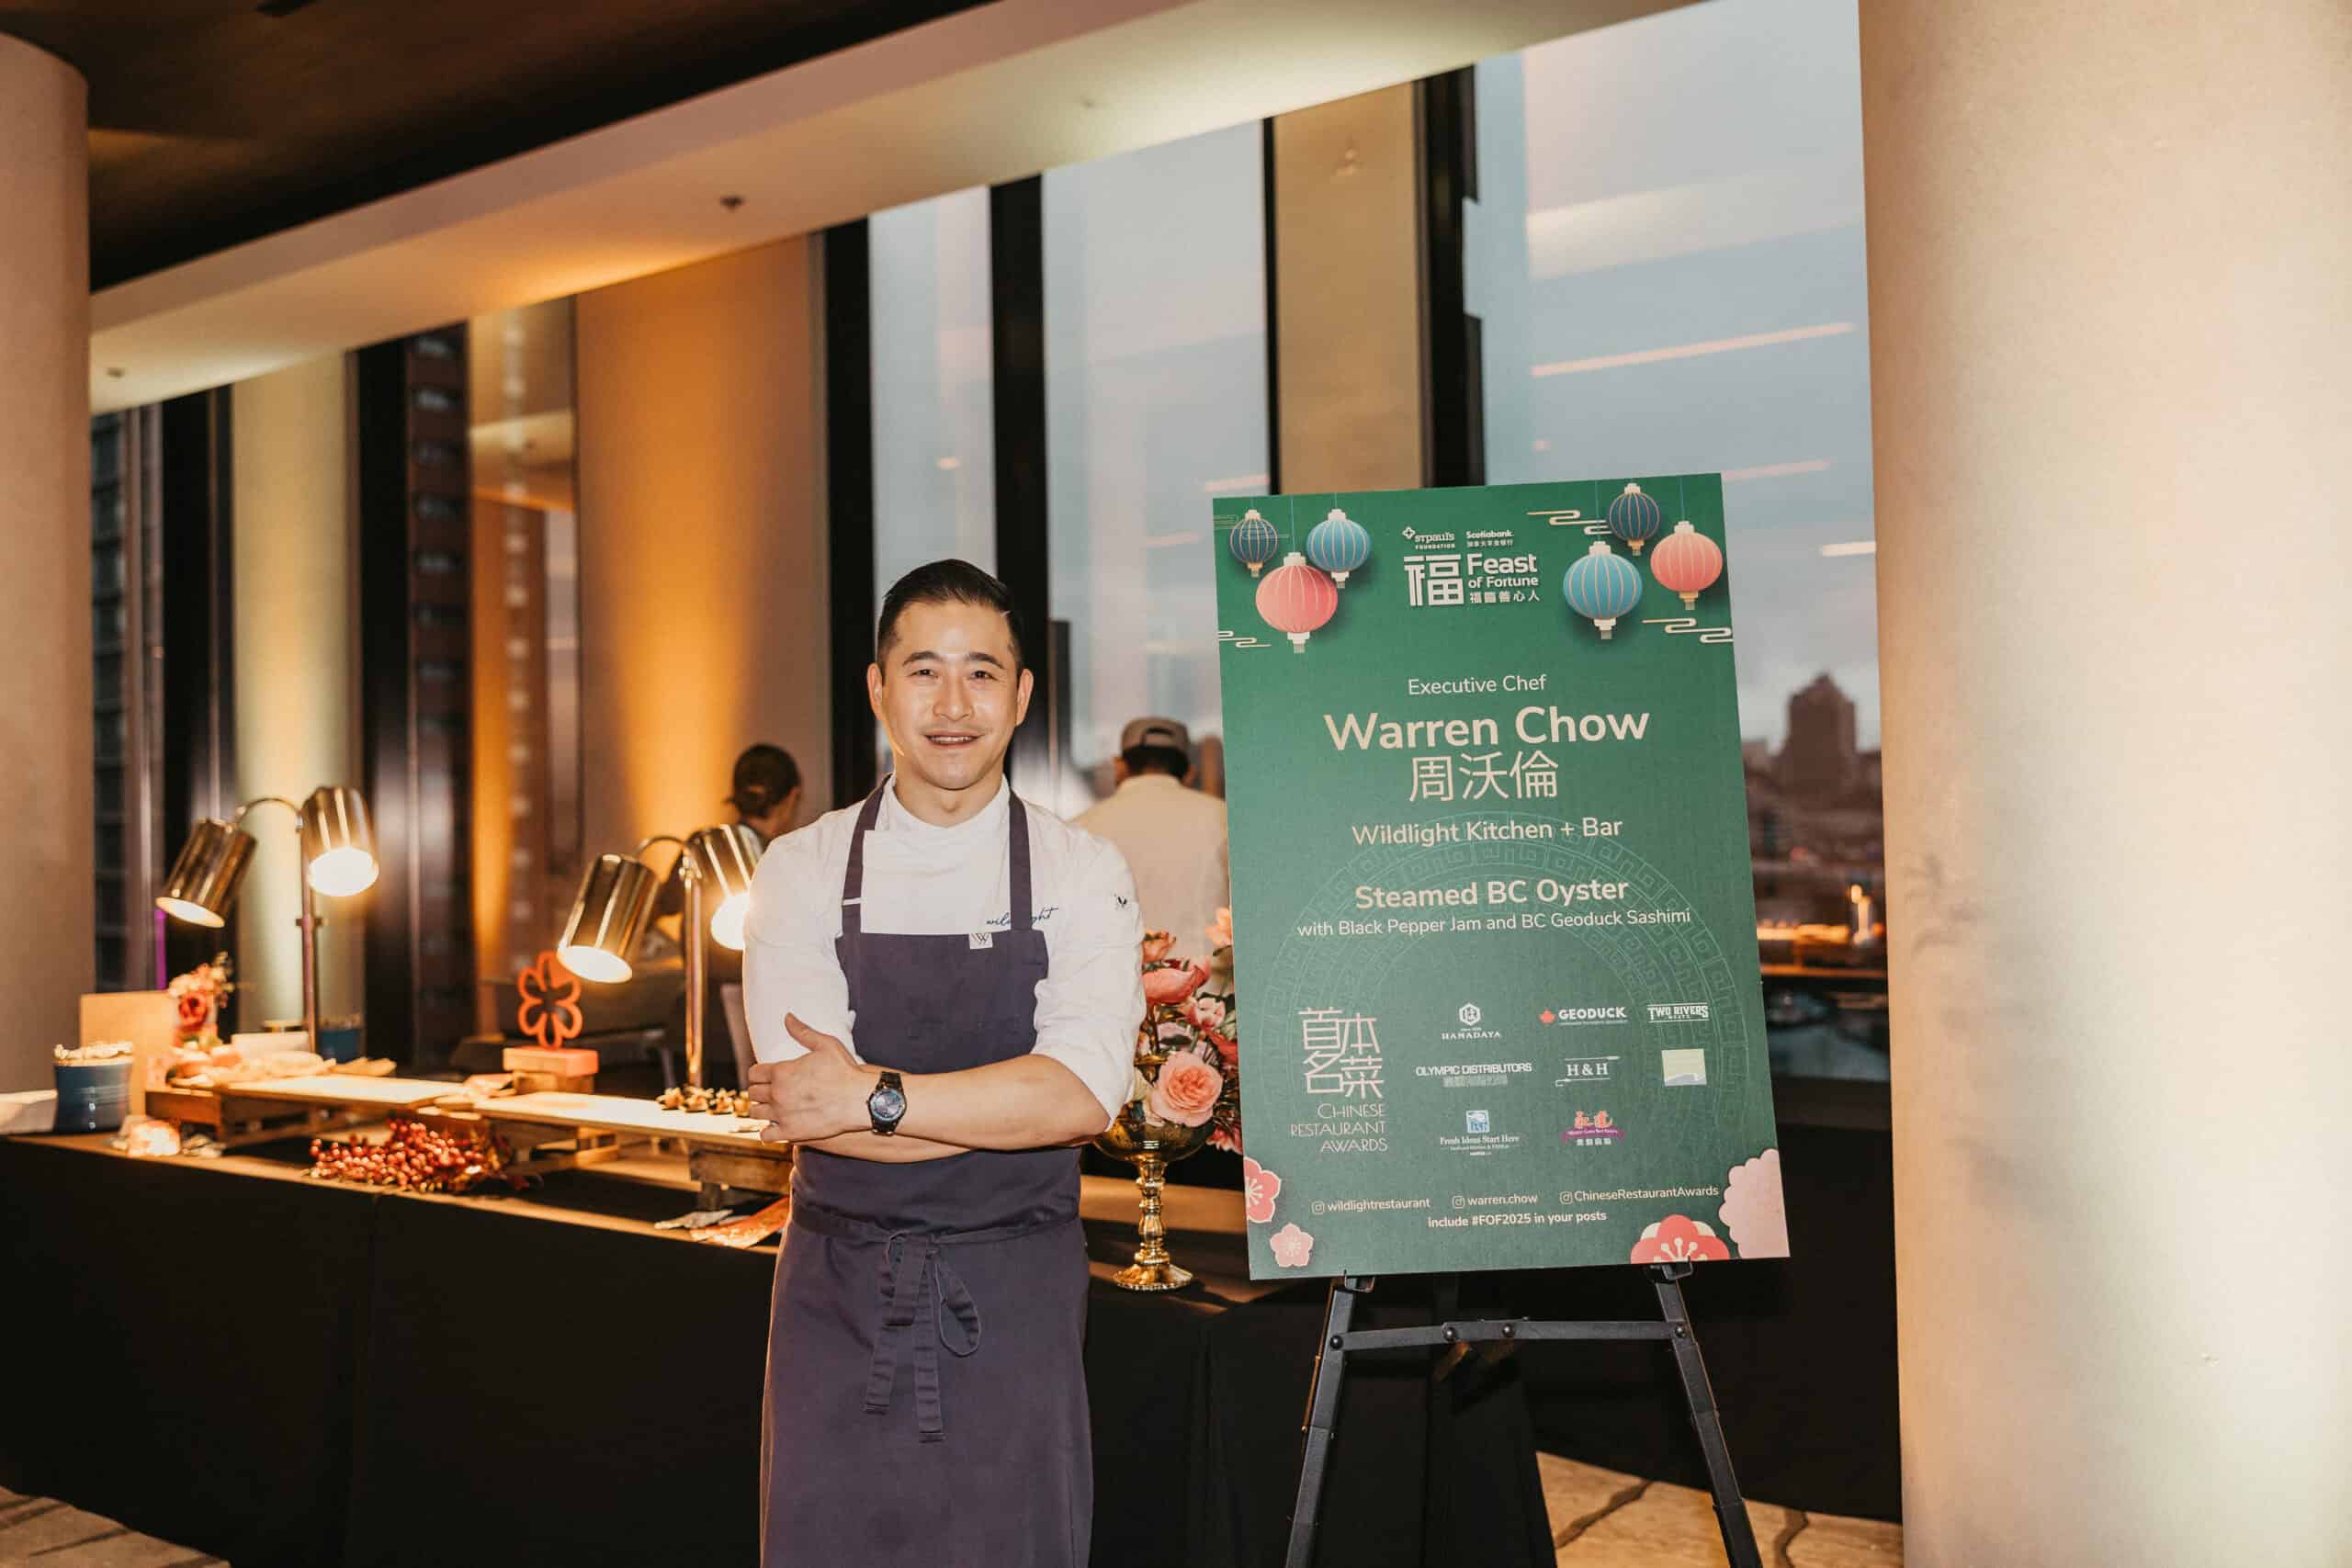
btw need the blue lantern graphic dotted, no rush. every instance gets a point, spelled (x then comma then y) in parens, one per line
(1634, 517)
(1602, 586)
(1339, 544)
(1254, 541)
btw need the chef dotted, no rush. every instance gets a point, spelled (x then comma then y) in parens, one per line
(944, 992)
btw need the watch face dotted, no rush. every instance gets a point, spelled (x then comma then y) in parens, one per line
(886, 1104)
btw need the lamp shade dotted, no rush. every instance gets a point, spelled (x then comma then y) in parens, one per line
(725, 858)
(203, 882)
(338, 849)
(615, 896)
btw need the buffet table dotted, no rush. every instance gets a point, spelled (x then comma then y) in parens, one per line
(277, 1370)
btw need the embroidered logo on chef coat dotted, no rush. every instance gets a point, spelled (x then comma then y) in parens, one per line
(983, 939)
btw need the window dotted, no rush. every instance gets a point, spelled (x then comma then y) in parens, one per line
(1155, 402)
(1667, 253)
(934, 438)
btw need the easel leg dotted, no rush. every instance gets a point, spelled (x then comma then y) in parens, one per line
(1322, 1419)
(1731, 1512)
(1439, 1445)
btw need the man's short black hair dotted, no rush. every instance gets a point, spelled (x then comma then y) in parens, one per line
(945, 582)
(1157, 759)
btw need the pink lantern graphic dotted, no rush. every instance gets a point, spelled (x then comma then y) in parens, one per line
(1687, 563)
(1297, 599)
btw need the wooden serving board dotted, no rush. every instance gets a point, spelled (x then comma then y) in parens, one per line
(618, 1113)
(339, 1089)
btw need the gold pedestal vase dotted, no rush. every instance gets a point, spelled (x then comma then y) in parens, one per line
(1148, 1144)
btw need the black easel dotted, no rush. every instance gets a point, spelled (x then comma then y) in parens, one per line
(1673, 1325)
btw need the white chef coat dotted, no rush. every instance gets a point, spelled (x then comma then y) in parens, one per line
(1174, 838)
(922, 880)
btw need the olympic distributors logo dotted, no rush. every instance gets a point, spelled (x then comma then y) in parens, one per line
(1678, 1012)
(1577, 1016)
(1596, 1130)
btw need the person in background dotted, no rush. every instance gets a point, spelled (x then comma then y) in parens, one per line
(1171, 834)
(766, 799)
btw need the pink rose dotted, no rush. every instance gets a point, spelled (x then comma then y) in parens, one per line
(1221, 929)
(1157, 945)
(1205, 1011)
(1186, 1090)
(1173, 983)
(1292, 1246)
(1260, 1188)
(1227, 1048)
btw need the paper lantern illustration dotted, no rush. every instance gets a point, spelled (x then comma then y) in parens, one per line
(1601, 587)
(1254, 541)
(1339, 544)
(1634, 517)
(1296, 599)
(1687, 562)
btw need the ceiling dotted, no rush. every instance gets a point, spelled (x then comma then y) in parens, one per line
(980, 96)
(215, 121)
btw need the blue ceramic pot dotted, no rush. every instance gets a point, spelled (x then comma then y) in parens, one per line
(91, 1096)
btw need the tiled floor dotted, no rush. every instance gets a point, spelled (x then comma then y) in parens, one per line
(1597, 1517)
(1600, 1517)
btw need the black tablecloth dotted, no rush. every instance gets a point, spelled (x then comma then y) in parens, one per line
(285, 1372)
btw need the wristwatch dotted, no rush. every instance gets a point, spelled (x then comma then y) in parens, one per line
(888, 1104)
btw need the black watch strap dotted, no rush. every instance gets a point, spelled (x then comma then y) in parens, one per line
(887, 1106)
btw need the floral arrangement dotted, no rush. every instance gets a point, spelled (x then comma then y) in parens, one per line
(1188, 1052)
(198, 995)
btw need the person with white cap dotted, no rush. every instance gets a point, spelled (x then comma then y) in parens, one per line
(1172, 835)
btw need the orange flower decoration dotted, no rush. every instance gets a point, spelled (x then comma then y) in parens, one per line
(551, 1010)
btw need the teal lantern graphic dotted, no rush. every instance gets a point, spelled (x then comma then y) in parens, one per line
(1634, 517)
(1601, 587)
(1254, 541)
(1339, 544)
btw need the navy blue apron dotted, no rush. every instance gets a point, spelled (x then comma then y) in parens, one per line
(926, 1394)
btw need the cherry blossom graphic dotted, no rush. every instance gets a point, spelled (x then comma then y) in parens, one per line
(1292, 1246)
(1677, 1239)
(1753, 1210)
(1260, 1188)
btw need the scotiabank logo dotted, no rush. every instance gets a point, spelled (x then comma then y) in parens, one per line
(1581, 1015)
(1678, 1012)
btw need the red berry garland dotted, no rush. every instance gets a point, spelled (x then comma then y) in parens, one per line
(418, 1156)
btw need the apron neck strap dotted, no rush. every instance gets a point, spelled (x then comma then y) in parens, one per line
(854, 877)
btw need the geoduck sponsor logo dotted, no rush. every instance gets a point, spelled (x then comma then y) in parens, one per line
(1574, 1016)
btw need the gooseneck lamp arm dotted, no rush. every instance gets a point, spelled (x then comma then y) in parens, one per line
(308, 923)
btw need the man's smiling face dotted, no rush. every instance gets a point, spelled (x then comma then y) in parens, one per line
(949, 690)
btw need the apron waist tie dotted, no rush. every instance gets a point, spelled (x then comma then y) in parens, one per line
(916, 1279)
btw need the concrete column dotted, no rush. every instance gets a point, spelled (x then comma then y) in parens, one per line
(1348, 314)
(46, 892)
(2110, 327)
(296, 663)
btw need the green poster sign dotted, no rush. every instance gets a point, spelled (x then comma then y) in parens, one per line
(1495, 928)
